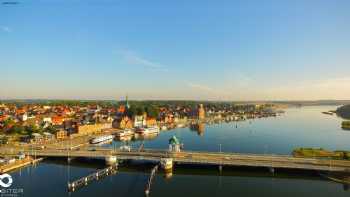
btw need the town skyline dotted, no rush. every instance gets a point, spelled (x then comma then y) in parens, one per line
(160, 51)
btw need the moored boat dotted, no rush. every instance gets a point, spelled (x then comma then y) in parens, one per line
(124, 133)
(100, 139)
(147, 130)
(328, 112)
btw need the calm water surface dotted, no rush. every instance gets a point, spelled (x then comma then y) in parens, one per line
(298, 127)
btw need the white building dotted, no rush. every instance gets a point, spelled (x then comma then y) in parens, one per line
(23, 117)
(139, 121)
(47, 119)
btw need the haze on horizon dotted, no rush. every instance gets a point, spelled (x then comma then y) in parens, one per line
(198, 50)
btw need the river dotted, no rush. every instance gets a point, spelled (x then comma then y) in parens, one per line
(298, 127)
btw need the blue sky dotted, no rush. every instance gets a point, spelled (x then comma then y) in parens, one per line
(156, 49)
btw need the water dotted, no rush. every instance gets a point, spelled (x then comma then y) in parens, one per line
(298, 127)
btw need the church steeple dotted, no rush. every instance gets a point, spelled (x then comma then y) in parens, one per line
(127, 102)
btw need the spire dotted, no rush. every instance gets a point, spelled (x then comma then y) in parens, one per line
(127, 102)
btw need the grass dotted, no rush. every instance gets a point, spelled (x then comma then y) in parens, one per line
(345, 125)
(321, 153)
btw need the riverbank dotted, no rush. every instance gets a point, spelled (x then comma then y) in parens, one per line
(19, 164)
(321, 153)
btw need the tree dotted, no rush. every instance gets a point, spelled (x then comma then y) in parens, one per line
(16, 129)
(8, 122)
(344, 112)
(152, 111)
(33, 129)
(50, 129)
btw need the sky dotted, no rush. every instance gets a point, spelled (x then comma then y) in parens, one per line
(183, 49)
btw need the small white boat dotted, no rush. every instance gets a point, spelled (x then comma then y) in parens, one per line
(124, 133)
(148, 130)
(100, 139)
(125, 138)
(180, 126)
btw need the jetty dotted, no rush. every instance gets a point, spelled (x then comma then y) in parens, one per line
(72, 186)
(150, 179)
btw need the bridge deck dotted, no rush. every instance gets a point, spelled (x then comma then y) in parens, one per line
(209, 158)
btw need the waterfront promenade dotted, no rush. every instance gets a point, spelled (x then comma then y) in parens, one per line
(200, 158)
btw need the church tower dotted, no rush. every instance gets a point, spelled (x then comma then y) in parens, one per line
(127, 102)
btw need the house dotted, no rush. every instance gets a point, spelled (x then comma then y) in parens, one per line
(47, 119)
(92, 128)
(48, 136)
(61, 134)
(123, 123)
(36, 137)
(140, 121)
(23, 117)
(57, 120)
(150, 122)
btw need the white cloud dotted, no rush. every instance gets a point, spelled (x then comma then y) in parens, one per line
(6, 29)
(134, 59)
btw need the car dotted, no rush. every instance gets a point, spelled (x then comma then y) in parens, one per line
(92, 149)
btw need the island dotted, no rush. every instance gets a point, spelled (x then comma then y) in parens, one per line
(344, 112)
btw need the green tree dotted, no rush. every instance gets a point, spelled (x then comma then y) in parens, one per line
(16, 129)
(50, 129)
(33, 129)
(152, 111)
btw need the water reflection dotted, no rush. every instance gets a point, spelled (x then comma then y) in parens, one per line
(199, 128)
(150, 136)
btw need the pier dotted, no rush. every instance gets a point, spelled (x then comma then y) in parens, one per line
(72, 186)
(150, 179)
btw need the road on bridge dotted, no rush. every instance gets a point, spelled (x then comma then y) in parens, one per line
(201, 158)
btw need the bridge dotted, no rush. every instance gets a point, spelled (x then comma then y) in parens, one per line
(199, 158)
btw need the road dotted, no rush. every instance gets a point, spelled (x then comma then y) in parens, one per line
(191, 157)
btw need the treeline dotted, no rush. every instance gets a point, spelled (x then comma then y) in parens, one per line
(321, 153)
(141, 108)
(82, 103)
(344, 112)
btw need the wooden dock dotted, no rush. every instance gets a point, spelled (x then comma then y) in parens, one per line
(72, 186)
